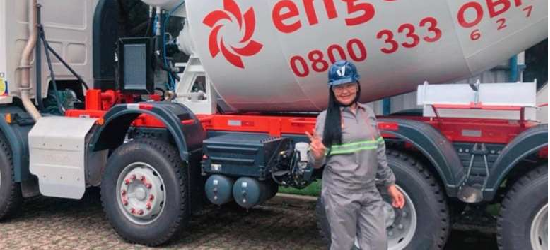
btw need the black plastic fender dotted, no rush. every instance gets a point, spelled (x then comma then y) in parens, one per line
(188, 138)
(432, 144)
(527, 143)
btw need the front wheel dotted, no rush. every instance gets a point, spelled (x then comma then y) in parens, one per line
(10, 191)
(523, 221)
(423, 223)
(144, 192)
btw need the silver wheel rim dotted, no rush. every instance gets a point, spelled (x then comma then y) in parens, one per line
(140, 193)
(400, 223)
(539, 230)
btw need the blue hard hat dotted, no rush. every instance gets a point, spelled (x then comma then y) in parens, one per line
(342, 72)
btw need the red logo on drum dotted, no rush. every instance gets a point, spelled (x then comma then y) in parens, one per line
(247, 22)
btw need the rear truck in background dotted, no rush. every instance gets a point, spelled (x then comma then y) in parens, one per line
(163, 133)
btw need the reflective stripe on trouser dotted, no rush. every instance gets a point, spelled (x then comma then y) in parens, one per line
(351, 214)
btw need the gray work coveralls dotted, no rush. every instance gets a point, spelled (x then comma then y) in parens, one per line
(353, 204)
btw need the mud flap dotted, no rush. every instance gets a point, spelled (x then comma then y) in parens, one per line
(58, 151)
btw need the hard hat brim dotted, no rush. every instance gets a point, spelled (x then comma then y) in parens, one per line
(341, 81)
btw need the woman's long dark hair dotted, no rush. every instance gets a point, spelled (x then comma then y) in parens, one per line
(333, 122)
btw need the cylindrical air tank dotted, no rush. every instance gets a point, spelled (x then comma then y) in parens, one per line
(219, 189)
(273, 55)
(249, 192)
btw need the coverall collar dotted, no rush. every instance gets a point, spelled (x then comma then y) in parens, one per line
(348, 108)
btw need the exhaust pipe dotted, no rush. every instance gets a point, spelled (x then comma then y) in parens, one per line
(24, 65)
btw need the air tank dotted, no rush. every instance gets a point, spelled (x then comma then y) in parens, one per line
(219, 189)
(249, 192)
(273, 55)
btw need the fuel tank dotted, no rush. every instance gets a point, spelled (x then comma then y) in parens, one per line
(273, 55)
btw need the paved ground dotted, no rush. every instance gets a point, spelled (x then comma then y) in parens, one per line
(282, 223)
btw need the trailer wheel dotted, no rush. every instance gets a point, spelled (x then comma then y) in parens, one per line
(10, 191)
(424, 221)
(144, 192)
(523, 220)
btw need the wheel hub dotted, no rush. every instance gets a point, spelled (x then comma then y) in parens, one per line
(140, 193)
(400, 223)
(539, 230)
(389, 214)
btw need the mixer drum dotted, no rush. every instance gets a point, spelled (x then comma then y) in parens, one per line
(273, 55)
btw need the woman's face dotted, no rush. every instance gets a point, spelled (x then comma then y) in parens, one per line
(345, 93)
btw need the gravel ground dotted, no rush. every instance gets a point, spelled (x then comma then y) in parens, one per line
(282, 223)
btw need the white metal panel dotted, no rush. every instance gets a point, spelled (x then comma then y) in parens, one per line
(501, 73)
(492, 94)
(497, 94)
(2, 38)
(3, 54)
(542, 98)
(57, 147)
(68, 26)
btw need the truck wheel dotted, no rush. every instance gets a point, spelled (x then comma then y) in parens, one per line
(523, 220)
(424, 221)
(144, 192)
(10, 191)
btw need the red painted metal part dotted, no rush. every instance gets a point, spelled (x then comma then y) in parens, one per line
(273, 125)
(484, 130)
(475, 106)
(454, 129)
(489, 130)
(543, 152)
(98, 103)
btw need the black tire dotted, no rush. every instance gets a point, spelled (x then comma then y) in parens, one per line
(432, 213)
(167, 163)
(10, 191)
(522, 202)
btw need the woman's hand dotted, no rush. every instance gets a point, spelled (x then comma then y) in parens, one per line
(316, 146)
(397, 198)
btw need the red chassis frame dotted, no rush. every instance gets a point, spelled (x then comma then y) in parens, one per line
(491, 130)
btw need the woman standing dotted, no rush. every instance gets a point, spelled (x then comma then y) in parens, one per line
(348, 143)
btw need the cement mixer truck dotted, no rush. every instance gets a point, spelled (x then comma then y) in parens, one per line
(83, 105)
